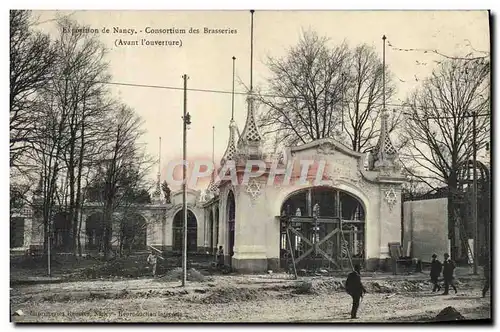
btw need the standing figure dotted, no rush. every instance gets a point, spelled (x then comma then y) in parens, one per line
(436, 268)
(220, 257)
(486, 270)
(355, 288)
(152, 260)
(448, 269)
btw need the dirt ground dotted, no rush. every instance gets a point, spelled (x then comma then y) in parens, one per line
(243, 298)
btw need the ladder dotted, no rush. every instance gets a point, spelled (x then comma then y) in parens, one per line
(345, 247)
(290, 259)
(464, 239)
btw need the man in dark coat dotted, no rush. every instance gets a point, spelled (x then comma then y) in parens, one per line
(355, 288)
(436, 268)
(486, 270)
(448, 269)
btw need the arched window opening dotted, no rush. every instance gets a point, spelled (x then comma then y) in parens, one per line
(192, 229)
(133, 233)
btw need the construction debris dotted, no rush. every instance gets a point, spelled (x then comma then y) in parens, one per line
(304, 287)
(449, 314)
(176, 275)
(231, 294)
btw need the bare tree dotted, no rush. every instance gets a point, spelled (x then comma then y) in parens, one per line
(78, 136)
(31, 59)
(439, 129)
(304, 91)
(46, 152)
(363, 89)
(65, 119)
(320, 91)
(83, 65)
(123, 169)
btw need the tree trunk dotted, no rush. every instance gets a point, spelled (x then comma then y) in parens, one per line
(77, 222)
(452, 222)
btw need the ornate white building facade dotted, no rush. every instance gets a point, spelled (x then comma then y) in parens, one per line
(359, 207)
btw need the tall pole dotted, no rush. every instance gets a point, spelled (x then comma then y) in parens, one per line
(251, 52)
(383, 73)
(232, 93)
(474, 194)
(48, 247)
(184, 193)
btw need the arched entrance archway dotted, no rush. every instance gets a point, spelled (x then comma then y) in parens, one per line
(327, 238)
(192, 229)
(231, 217)
(133, 235)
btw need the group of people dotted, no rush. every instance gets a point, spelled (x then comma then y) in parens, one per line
(355, 288)
(447, 268)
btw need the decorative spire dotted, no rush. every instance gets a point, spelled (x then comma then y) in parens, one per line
(212, 189)
(251, 139)
(384, 154)
(251, 131)
(157, 193)
(231, 144)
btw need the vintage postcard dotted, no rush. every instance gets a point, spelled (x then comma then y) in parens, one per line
(250, 166)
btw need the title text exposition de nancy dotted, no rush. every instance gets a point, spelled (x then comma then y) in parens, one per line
(150, 30)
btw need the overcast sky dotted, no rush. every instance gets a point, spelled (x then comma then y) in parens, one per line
(206, 59)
